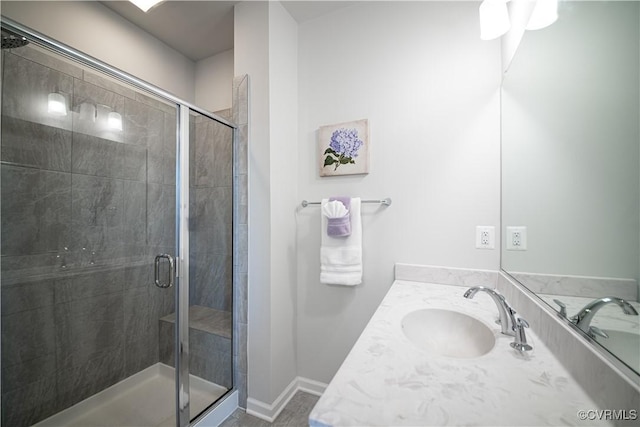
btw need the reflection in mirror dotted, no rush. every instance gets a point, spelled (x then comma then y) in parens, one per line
(570, 169)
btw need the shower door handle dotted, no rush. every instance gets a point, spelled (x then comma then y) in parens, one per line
(172, 271)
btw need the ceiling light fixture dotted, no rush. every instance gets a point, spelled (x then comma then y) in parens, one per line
(494, 19)
(145, 5)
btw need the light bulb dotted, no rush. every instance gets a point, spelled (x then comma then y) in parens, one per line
(494, 19)
(114, 121)
(57, 104)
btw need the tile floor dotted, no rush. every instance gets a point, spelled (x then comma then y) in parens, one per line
(295, 414)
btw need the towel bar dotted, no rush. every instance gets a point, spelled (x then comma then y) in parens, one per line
(385, 202)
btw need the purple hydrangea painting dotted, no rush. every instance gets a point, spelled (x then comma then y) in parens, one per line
(344, 146)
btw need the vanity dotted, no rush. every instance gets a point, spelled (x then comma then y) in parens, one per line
(389, 379)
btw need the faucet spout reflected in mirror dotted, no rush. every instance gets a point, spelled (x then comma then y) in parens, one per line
(507, 319)
(584, 317)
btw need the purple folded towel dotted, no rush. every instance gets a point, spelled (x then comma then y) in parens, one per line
(340, 227)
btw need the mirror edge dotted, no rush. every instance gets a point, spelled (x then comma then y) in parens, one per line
(618, 365)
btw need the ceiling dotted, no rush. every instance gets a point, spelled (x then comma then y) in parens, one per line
(200, 29)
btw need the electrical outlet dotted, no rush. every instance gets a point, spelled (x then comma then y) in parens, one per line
(516, 238)
(485, 237)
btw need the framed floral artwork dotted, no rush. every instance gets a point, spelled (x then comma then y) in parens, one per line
(344, 148)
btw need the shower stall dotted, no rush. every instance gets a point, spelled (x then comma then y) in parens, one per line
(117, 242)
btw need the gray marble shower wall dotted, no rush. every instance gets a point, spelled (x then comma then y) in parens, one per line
(84, 210)
(211, 208)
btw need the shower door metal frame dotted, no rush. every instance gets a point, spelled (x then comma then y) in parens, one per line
(182, 395)
(182, 277)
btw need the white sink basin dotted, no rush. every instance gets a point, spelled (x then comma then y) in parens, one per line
(448, 333)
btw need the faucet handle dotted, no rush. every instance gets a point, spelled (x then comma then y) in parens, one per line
(563, 307)
(520, 341)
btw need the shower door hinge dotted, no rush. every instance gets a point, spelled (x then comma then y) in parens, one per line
(178, 264)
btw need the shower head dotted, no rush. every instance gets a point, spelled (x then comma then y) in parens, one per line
(11, 40)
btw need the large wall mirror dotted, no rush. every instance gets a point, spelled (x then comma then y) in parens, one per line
(571, 170)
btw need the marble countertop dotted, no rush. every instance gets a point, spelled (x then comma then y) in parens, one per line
(386, 380)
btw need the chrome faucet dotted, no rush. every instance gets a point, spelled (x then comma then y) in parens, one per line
(520, 342)
(584, 317)
(507, 319)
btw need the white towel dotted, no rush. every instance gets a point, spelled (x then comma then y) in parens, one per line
(341, 257)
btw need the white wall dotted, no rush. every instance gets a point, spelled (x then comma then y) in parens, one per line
(265, 49)
(571, 142)
(283, 96)
(214, 81)
(98, 31)
(430, 89)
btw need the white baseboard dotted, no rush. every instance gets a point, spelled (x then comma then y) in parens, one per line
(311, 386)
(270, 412)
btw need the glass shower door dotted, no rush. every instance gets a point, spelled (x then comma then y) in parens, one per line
(210, 260)
(88, 198)
(116, 246)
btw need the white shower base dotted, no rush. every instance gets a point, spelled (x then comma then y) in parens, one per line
(146, 399)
